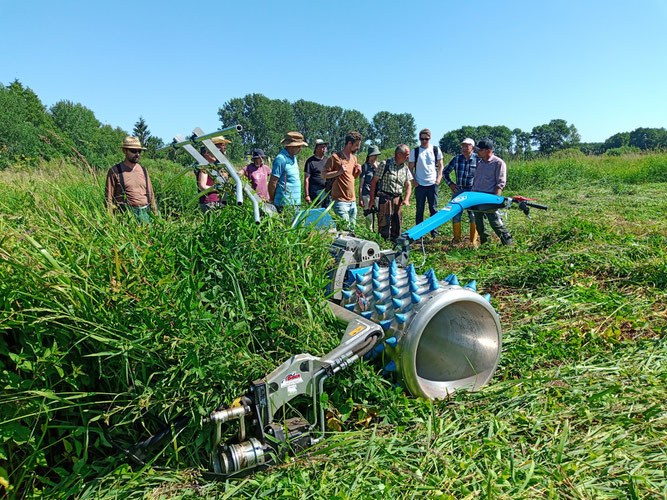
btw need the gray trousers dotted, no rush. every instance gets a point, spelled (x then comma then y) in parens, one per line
(496, 223)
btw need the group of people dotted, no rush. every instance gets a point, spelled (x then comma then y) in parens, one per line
(384, 187)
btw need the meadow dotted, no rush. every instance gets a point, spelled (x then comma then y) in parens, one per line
(107, 326)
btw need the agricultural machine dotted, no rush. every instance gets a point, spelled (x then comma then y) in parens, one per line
(433, 336)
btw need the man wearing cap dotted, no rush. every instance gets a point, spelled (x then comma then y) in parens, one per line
(368, 170)
(490, 177)
(426, 166)
(391, 179)
(463, 165)
(313, 183)
(128, 186)
(285, 182)
(257, 173)
(343, 168)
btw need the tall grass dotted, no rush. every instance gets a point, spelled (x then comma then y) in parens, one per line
(106, 325)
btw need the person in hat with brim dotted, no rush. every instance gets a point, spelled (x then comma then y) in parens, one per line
(221, 143)
(258, 173)
(368, 170)
(313, 183)
(285, 181)
(490, 177)
(463, 165)
(128, 186)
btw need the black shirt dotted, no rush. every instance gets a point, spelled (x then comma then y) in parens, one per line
(314, 167)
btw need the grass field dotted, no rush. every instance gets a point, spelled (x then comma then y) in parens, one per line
(105, 323)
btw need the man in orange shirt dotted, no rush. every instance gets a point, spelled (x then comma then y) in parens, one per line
(343, 168)
(128, 185)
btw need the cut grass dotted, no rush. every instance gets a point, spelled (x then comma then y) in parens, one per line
(103, 321)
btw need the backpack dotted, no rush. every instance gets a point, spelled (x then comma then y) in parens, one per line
(436, 150)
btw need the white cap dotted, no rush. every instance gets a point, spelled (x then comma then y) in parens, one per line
(468, 140)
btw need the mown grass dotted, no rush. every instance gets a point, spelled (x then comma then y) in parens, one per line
(104, 323)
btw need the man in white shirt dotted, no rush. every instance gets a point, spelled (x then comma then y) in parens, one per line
(426, 167)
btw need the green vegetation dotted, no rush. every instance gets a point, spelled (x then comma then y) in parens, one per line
(104, 323)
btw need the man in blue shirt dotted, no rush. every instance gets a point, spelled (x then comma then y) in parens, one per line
(285, 182)
(463, 166)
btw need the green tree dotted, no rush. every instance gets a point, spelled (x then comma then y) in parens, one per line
(554, 135)
(140, 131)
(617, 140)
(521, 142)
(648, 138)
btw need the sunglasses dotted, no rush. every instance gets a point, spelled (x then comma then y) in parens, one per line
(424, 138)
(135, 151)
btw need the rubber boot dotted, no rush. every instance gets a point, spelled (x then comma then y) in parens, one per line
(474, 242)
(457, 232)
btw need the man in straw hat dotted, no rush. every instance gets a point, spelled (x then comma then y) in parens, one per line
(313, 183)
(221, 143)
(285, 182)
(257, 173)
(128, 184)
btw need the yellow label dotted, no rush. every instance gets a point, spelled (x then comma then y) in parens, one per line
(356, 330)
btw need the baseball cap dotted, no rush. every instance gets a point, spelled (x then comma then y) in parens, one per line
(468, 140)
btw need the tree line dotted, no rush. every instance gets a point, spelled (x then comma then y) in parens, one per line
(29, 131)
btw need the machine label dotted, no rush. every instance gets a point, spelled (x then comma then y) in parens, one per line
(291, 379)
(356, 330)
(460, 198)
(447, 208)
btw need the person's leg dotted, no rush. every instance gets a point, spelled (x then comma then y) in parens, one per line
(340, 208)
(369, 218)
(397, 218)
(384, 217)
(353, 214)
(432, 198)
(496, 223)
(456, 223)
(481, 228)
(420, 196)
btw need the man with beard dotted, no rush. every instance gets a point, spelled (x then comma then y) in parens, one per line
(128, 186)
(343, 168)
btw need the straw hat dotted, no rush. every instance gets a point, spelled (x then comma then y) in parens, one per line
(131, 143)
(220, 140)
(293, 139)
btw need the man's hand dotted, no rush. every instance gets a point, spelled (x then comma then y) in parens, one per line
(438, 180)
(361, 202)
(453, 187)
(406, 203)
(307, 199)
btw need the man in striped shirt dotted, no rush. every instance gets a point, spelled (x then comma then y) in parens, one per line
(463, 165)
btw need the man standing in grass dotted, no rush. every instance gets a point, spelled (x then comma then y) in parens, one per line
(343, 168)
(313, 183)
(285, 182)
(368, 170)
(463, 165)
(490, 177)
(128, 186)
(391, 178)
(426, 166)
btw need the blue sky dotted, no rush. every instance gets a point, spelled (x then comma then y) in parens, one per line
(598, 64)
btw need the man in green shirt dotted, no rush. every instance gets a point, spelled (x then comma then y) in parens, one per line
(391, 179)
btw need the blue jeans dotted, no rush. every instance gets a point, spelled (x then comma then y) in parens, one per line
(423, 193)
(346, 210)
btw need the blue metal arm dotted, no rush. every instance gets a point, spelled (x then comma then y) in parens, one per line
(463, 201)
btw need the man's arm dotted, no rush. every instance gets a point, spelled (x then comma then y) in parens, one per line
(333, 168)
(501, 178)
(439, 165)
(306, 185)
(152, 195)
(109, 190)
(202, 179)
(273, 183)
(447, 172)
(361, 186)
(408, 192)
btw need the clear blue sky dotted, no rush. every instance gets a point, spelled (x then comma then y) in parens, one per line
(600, 64)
